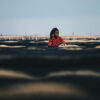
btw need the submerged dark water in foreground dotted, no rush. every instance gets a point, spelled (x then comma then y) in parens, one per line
(30, 70)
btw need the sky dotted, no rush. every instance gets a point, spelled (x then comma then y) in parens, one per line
(38, 17)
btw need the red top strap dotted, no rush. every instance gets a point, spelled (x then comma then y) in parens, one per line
(56, 42)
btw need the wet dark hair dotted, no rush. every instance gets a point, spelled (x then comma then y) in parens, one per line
(53, 31)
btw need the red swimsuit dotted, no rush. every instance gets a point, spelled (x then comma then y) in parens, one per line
(56, 42)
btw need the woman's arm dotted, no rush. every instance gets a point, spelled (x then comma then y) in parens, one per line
(62, 40)
(50, 43)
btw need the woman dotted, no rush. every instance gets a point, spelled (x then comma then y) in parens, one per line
(55, 40)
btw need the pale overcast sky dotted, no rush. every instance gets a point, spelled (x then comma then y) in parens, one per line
(40, 16)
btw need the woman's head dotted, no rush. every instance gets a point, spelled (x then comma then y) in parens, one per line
(54, 32)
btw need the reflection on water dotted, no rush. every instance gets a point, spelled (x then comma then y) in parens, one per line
(76, 73)
(11, 46)
(13, 74)
(43, 90)
(42, 87)
(16, 74)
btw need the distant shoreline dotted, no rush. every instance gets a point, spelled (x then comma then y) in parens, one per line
(35, 37)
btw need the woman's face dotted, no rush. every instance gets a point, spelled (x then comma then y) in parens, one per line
(56, 34)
